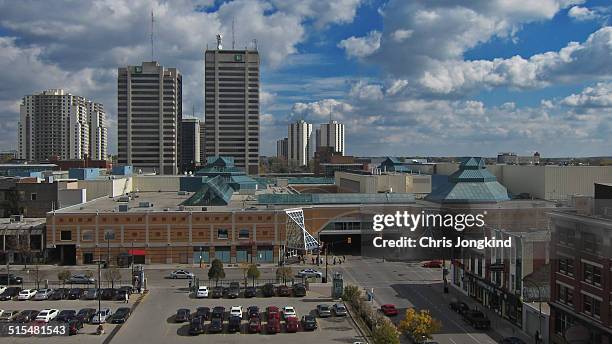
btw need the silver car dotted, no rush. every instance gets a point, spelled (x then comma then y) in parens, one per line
(102, 316)
(81, 279)
(339, 310)
(181, 274)
(43, 294)
(324, 311)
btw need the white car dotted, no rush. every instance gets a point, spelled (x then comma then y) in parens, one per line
(289, 312)
(202, 291)
(236, 311)
(181, 274)
(309, 273)
(102, 316)
(26, 294)
(2, 288)
(47, 315)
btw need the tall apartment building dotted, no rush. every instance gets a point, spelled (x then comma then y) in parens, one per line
(231, 99)
(55, 123)
(149, 112)
(190, 144)
(282, 148)
(331, 135)
(202, 143)
(299, 143)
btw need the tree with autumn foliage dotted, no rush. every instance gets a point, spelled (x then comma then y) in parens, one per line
(419, 325)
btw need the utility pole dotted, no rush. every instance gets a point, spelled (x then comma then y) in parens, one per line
(8, 272)
(325, 263)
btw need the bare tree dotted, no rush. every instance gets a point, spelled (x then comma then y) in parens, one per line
(111, 275)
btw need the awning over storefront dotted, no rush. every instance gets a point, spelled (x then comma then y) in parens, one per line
(135, 252)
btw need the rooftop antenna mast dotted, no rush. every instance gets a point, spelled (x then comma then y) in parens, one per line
(330, 112)
(233, 36)
(152, 27)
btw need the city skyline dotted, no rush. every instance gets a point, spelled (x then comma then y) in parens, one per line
(500, 76)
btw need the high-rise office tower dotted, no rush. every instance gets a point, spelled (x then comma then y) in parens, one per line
(231, 99)
(57, 124)
(202, 143)
(299, 145)
(331, 135)
(149, 112)
(282, 148)
(190, 144)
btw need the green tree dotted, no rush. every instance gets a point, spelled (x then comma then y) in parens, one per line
(63, 276)
(216, 271)
(385, 333)
(111, 275)
(253, 273)
(351, 294)
(283, 273)
(419, 325)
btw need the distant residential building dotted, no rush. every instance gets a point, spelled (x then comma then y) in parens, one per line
(231, 99)
(190, 144)
(149, 113)
(299, 143)
(331, 135)
(57, 124)
(282, 148)
(509, 158)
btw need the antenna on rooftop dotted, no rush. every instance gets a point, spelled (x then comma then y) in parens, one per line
(255, 43)
(330, 112)
(219, 39)
(152, 27)
(233, 36)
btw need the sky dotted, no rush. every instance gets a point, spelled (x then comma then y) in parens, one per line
(407, 78)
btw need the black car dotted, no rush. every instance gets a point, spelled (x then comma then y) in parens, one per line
(252, 311)
(250, 292)
(309, 323)
(216, 325)
(10, 293)
(234, 290)
(108, 294)
(217, 292)
(10, 279)
(202, 312)
(75, 293)
(459, 307)
(86, 314)
(126, 289)
(283, 290)
(74, 325)
(91, 294)
(182, 315)
(218, 313)
(268, 290)
(59, 294)
(26, 316)
(121, 315)
(196, 326)
(65, 315)
(234, 324)
(299, 290)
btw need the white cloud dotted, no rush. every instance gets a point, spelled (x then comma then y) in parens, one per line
(320, 110)
(599, 96)
(363, 91)
(323, 12)
(396, 87)
(582, 13)
(361, 46)
(401, 35)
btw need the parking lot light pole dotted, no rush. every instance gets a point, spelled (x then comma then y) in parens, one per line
(99, 293)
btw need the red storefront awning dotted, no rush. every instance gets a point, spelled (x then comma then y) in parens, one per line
(136, 252)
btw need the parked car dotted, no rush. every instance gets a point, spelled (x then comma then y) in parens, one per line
(324, 311)
(25, 316)
(26, 294)
(181, 274)
(8, 316)
(236, 311)
(250, 292)
(299, 290)
(459, 307)
(477, 319)
(216, 325)
(10, 279)
(65, 315)
(283, 290)
(309, 273)
(81, 279)
(289, 312)
(272, 312)
(273, 326)
(102, 316)
(292, 325)
(202, 291)
(252, 311)
(75, 293)
(126, 289)
(10, 293)
(234, 290)
(2, 288)
(90, 294)
(389, 309)
(254, 325)
(47, 315)
(202, 312)
(217, 292)
(182, 315)
(268, 290)
(59, 294)
(43, 294)
(86, 314)
(339, 310)
(108, 294)
(196, 326)
(218, 313)
(234, 324)
(121, 315)
(432, 264)
(512, 340)
(309, 323)
(74, 325)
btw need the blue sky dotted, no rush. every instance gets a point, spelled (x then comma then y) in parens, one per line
(407, 78)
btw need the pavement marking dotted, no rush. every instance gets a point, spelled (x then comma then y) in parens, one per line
(118, 327)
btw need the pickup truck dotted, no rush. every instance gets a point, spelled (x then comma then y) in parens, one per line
(477, 319)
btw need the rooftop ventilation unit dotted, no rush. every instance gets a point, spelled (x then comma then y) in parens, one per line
(123, 199)
(145, 204)
(182, 193)
(123, 208)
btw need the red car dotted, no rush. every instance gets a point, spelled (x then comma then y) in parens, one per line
(432, 264)
(273, 325)
(273, 312)
(292, 325)
(254, 325)
(389, 309)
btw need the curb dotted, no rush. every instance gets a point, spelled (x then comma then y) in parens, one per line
(118, 327)
(358, 324)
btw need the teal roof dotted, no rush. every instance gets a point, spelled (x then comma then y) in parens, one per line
(347, 198)
(215, 191)
(472, 183)
(242, 182)
(310, 180)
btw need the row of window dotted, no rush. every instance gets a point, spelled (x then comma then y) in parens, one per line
(591, 274)
(590, 241)
(88, 235)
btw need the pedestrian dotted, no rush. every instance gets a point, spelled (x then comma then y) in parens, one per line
(334, 260)
(344, 258)
(312, 260)
(127, 297)
(189, 285)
